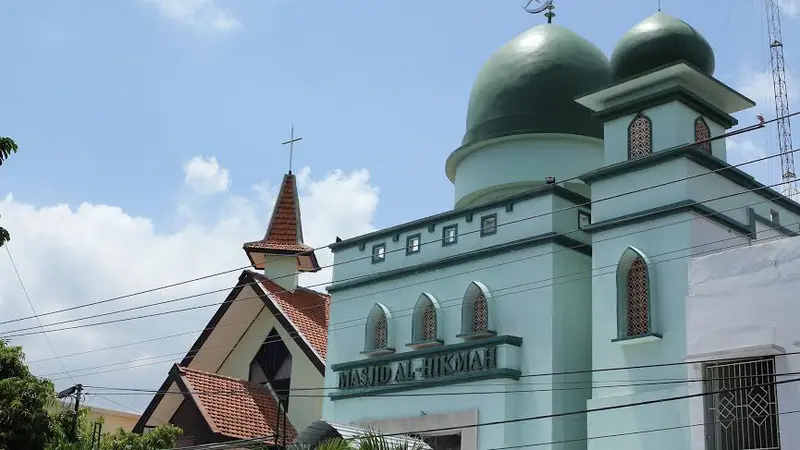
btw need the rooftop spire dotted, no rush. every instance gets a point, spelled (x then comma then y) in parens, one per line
(283, 244)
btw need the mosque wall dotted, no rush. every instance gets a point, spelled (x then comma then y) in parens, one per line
(538, 291)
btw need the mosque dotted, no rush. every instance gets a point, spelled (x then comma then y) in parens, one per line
(547, 309)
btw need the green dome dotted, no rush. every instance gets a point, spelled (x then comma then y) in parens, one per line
(657, 41)
(530, 84)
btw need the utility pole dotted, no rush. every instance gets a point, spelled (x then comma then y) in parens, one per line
(76, 390)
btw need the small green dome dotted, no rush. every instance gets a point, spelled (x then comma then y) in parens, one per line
(530, 85)
(657, 41)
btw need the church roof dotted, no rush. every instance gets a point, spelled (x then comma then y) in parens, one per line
(303, 313)
(658, 41)
(307, 310)
(530, 83)
(285, 231)
(231, 407)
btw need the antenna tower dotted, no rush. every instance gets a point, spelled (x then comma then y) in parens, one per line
(778, 64)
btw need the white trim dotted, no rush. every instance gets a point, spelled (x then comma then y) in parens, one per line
(464, 422)
(736, 353)
(703, 85)
(461, 152)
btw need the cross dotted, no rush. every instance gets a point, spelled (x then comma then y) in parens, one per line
(291, 142)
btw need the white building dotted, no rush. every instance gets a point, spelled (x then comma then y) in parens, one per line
(743, 328)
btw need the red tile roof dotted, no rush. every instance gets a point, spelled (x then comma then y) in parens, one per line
(307, 310)
(285, 230)
(233, 407)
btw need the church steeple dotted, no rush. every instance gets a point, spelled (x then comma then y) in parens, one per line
(282, 252)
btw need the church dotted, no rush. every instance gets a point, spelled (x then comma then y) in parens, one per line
(548, 307)
(268, 337)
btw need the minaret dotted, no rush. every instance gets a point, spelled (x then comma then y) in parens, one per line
(282, 253)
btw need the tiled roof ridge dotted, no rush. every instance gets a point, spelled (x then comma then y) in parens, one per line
(185, 369)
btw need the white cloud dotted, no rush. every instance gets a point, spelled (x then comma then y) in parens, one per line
(201, 13)
(790, 8)
(758, 87)
(206, 176)
(74, 255)
(742, 149)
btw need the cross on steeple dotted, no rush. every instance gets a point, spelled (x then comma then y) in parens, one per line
(291, 142)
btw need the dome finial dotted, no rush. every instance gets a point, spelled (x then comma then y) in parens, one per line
(543, 5)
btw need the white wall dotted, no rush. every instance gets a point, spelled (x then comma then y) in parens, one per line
(743, 302)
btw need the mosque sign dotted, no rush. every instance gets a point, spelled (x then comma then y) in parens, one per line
(429, 367)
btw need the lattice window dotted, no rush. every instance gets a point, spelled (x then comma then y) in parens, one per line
(702, 132)
(381, 333)
(429, 323)
(480, 314)
(640, 137)
(742, 408)
(638, 298)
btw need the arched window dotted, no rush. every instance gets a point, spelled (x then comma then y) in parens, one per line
(377, 339)
(272, 365)
(635, 310)
(476, 312)
(702, 132)
(425, 322)
(640, 137)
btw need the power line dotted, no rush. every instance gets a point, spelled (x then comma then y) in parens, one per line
(25, 331)
(496, 293)
(228, 444)
(748, 129)
(282, 393)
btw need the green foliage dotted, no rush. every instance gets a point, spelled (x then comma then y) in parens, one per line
(369, 440)
(25, 423)
(7, 147)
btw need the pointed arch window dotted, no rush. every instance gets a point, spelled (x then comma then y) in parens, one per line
(377, 340)
(476, 312)
(640, 137)
(272, 366)
(425, 323)
(635, 308)
(701, 133)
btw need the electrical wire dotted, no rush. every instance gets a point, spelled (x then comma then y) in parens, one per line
(229, 444)
(613, 267)
(748, 129)
(25, 331)
(281, 393)
(496, 292)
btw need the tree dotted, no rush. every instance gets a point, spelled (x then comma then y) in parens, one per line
(7, 147)
(368, 440)
(25, 421)
(28, 423)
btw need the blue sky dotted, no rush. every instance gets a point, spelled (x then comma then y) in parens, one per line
(109, 99)
(150, 135)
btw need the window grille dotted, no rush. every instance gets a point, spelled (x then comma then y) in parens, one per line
(640, 137)
(742, 410)
(480, 314)
(638, 299)
(429, 323)
(702, 132)
(381, 333)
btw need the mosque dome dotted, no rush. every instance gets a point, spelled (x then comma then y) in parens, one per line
(530, 84)
(657, 41)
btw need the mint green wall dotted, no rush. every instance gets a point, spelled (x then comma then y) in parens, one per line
(540, 293)
(668, 289)
(524, 162)
(673, 125)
